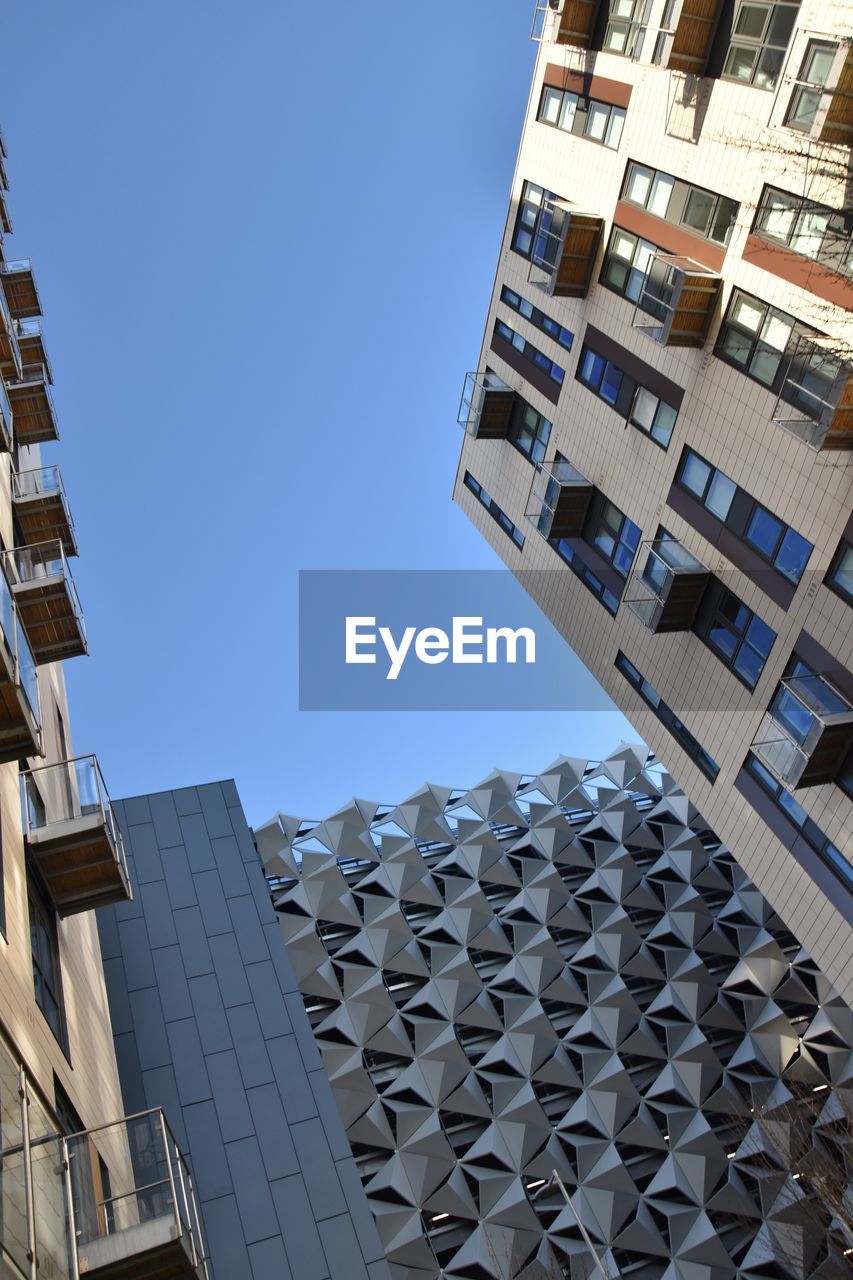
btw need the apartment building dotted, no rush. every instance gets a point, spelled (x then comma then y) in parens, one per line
(566, 1033)
(659, 426)
(83, 1189)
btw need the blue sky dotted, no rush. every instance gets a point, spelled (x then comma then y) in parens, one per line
(245, 222)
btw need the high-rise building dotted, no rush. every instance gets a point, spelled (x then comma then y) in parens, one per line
(660, 421)
(83, 1189)
(566, 1033)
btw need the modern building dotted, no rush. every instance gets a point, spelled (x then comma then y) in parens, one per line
(659, 427)
(82, 1188)
(567, 1034)
(209, 1024)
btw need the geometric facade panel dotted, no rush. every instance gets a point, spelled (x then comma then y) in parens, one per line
(567, 1035)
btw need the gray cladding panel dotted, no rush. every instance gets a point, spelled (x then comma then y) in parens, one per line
(209, 1025)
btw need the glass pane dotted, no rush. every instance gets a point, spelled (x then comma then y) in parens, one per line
(751, 21)
(764, 531)
(614, 128)
(809, 232)
(639, 184)
(842, 574)
(592, 368)
(749, 665)
(720, 495)
(694, 474)
(748, 313)
(777, 216)
(700, 205)
(739, 63)
(664, 423)
(610, 383)
(793, 555)
(818, 63)
(661, 191)
(803, 108)
(550, 109)
(623, 245)
(645, 407)
(765, 365)
(791, 713)
(723, 220)
(782, 24)
(567, 115)
(723, 640)
(596, 122)
(769, 66)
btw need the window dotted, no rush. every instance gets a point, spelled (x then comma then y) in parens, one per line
(624, 32)
(486, 500)
(739, 638)
(45, 952)
(612, 534)
(703, 212)
(591, 580)
(813, 230)
(585, 117)
(528, 211)
(529, 431)
(829, 853)
(840, 575)
(754, 337)
(760, 35)
(531, 353)
(776, 542)
(565, 337)
(626, 262)
(679, 731)
(635, 403)
(811, 85)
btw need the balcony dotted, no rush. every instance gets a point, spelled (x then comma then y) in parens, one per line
(19, 286)
(565, 246)
(821, 100)
(32, 346)
(44, 592)
(41, 508)
(6, 433)
(667, 587)
(807, 732)
(485, 409)
(815, 401)
(20, 721)
(677, 300)
(72, 835)
(5, 220)
(144, 1222)
(32, 407)
(559, 500)
(693, 36)
(574, 21)
(10, 355)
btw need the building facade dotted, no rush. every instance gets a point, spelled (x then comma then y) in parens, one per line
(659, 427)
(566, 1033)
(209, 1024)
(82, 1188)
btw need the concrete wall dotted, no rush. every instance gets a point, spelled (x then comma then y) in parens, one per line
(209, 1024)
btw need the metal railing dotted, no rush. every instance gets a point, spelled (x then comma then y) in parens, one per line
(802, 708)
(39, 482)
(547, 487)
(477, 384)
(650, 584)
(30, 567)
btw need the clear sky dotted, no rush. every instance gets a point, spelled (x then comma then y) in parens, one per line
(264, 236)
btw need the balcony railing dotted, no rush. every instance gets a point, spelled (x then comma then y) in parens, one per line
(19, 285)
(666, 589)
(32, 407)
(807, 732)
(6, 433)
(559, 500)
(485, 409)
(565, 246)
(20, 720)
(31, 344)
(72, 835)
(47, 600)
(815, 401)
(145, 1221)
(677, 300)
(41, 508)
(10, 355)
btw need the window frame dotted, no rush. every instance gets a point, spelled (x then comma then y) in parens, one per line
(538, 359)
(611, 258)
(47, 969)
(805, 87)
(761, 45)
(689, 744)
(497, 513)
(839, 260)
(535, 316)
(594, 370)
(682, 192)
(826, 849)
(582, 108)
(597, 525)
(717, 619)
(844, 548)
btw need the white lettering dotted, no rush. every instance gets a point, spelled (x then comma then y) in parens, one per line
(462, 638)
(511, 639)
(397, 653)
(354, 638)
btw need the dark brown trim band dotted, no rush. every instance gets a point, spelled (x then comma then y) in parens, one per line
(613, 92)
(812, 276)
(652, 379)
(670, 238)
(531, 373)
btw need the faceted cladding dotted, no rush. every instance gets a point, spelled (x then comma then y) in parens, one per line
(568, 973)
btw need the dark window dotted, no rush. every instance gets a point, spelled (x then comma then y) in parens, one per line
(703, 212)
(668, 718)
(584, 117)
(754, 338)
(625, 29)
(813, 230)
(525, 223)
(777, 543)
(591, 580)
(613, 535)
(626, 262)
(564, 336)
(633, 402)
(45, 952)
(738, 637)
(529, 431)
(761, 30)
(531, 353)
(811, 85)
(494, 510)
(828, 852)
(839, 578)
